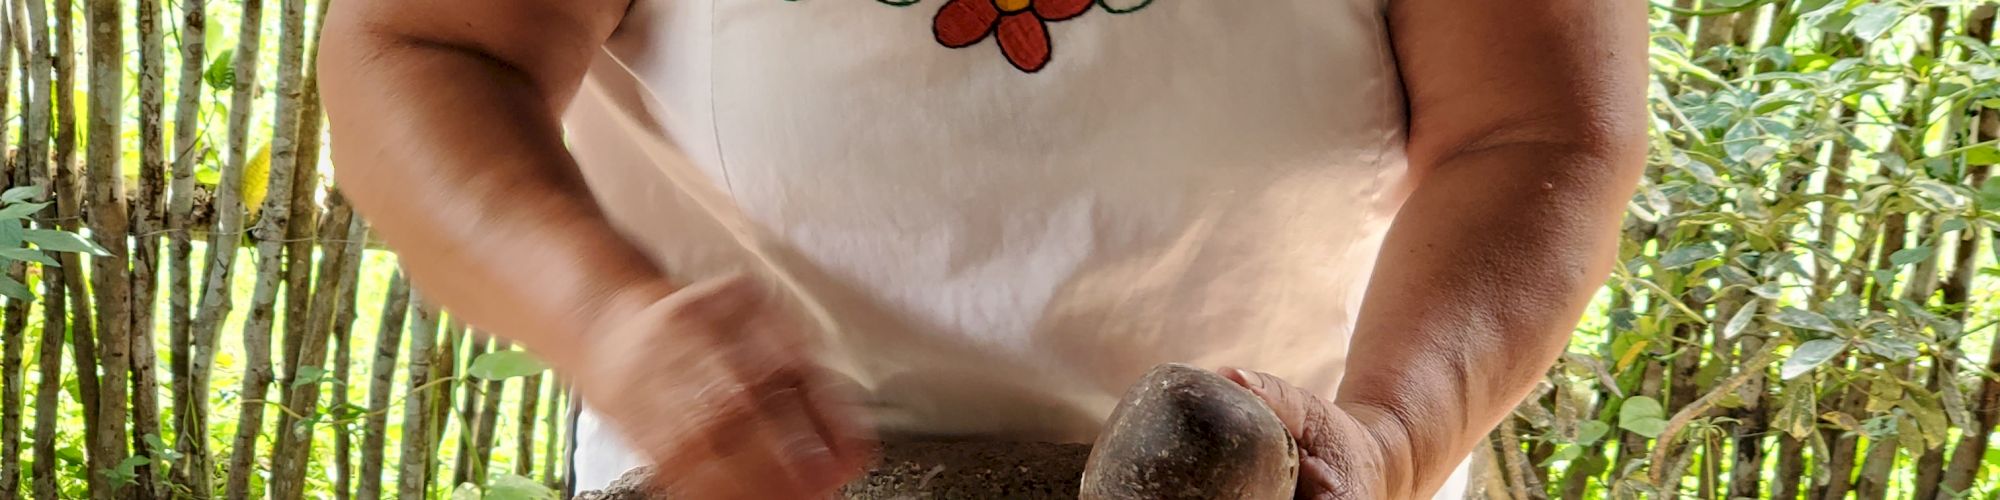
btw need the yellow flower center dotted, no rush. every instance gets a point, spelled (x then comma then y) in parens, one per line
(1012, 5)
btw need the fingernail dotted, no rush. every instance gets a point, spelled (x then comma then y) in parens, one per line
(1248, 378)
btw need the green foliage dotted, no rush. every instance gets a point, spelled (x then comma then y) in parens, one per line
(1813, 177)
(15, 210)
(221, 74)
(500, 365)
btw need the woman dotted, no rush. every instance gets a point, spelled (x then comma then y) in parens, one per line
(776, 230)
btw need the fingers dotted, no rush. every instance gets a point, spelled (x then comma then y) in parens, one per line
(721, 301)
(831, 402)
(1294, 406)
(1316, 479)
(801, 445)
(746, 413)
(741, 441)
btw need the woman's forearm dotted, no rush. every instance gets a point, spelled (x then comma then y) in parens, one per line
(1479, 285)
(456, 157)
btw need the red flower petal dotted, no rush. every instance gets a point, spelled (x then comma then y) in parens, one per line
(964, 22)
(1057, 10)
(1025, 41)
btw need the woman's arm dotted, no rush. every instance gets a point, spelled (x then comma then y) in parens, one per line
(446, 135)
(444, 117)
(1527, 135)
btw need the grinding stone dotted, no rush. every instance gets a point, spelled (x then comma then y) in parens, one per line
(1185, 432)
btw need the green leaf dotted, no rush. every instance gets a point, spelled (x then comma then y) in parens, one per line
(62, 241)
(502, 365)
(20, 194)
(1740, 320)
(512, 487)
(1910, 255)
(127, 470)
(1797, 415)
(1908, 434)
(1564, 454)
(23, 254)
(1873, 20)
(1983, 155)
(21, 210)
(466, 491)
(1687, 255)
(14, 289)
(1768, 290)
(206, 175)
(1989, 193)
(308, 375)
(1810, 355)
(1649, 427)
(1736, 143)
(11, 234)
(1800, 318)
(221, 74)
(1930, 419)
(161, 451)
(1892, 348)
(1642, 415)
(1589, 431)
(1706, 174)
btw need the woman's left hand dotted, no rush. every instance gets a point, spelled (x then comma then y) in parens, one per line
(1344, 453)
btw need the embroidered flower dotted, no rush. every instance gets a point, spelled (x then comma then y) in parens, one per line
(1020, 27)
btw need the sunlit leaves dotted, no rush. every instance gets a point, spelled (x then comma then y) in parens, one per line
(1811, 355)
(1642, 415)
(221, 74)
(501, 365)
(1800, 318)
(1873, 19)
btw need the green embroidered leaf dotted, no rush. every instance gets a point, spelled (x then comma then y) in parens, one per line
(1124, 6)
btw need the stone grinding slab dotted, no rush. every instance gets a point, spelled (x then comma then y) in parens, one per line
(912, 470)
(1180, 432)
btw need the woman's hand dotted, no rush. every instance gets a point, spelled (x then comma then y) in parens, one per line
(712, 383)
(1344, 453)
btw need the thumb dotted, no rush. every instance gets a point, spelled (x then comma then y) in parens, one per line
(1294, 406)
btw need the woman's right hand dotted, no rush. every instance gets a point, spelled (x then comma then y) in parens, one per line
(713, 383)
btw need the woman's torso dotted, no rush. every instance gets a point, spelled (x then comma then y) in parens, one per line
(996, 241)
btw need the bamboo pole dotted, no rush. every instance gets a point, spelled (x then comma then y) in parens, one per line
(146, 223)
(14, 332)
(108, 226)
(388, 344)
(299, 290)
(270, 234)
(295, 431)
(489, 420)
(554, 472)
(69, 214)
(1968, 453)
(219, 268)
(412, 476)
(468, 415)
(191, 474)
(343, 357)
(55, 323)
(524, 426)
